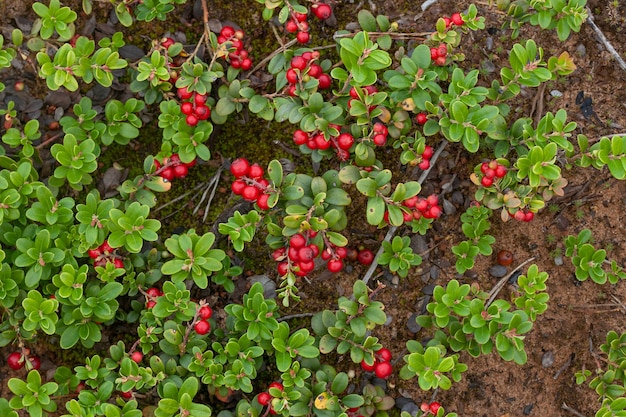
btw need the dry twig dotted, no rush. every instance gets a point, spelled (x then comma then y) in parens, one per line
(604, 40)
(496, 289)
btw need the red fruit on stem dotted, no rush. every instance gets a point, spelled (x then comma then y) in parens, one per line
(345, 141)
(301, 17)
(186, 108)
(250, 193)
(366, 367)
(199, 99)
(486, 181)
(442, 51)
(183, 93)
(421, 118)
(424, 165)
(341, 252)
(384, 355)
(205, 312)
(500, 171)
(255, 171)
(321, 11)
(227, 31)
(283, 268)
(264, 398)
(315, 70)
(154, 292)
(239, 167)
(106, 248)
(440, 61)
(321, 142)
(505, 257)
(15, 360)
(137, 356)
(428, 152)
(202, 112)
(246, 64)
(434, 407)
(291, 26)
(457, 19)
(303, 37)
(383, 370)
(297, 241)
(191, 120)
(279, 254)
(127, 395)
(300, 137)
(237, 186)
(262, 201)
(180, 171)
(276, 385)
(306, 254)
(335, 265)
(432, 200)
(167, 174)
(298, 62)
(434, 212)
(150, 304)
(529, 216)
(324, 81)
(434, 53)
(306, 266)
(379, 139)
(94, 253)
(519, 216)
(118, 263)
(365, 257)
(202, 327)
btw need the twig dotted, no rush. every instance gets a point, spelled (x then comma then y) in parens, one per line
(571, 410)
(604, 40)
(207, 29)
(272, 55)
(496, 289)
(619, 303)
(295, 316)
(392, 229)
(211, 185)
(169, 203)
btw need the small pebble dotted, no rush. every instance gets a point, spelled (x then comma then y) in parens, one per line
(457, 197)
(528, 409)
(389, 320)
(471, 274)
(558, 260)
(581, 50)
(448, 207)
(379, 382)
(489, 43)
(434, 272)
(489, 66)
(497, 271)
(428, 289)
(412, 325)
(556, 93)
(547, 360)
(269, 286)
(410, 408)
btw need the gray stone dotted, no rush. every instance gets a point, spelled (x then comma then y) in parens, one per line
(269, 286)
(497, 271)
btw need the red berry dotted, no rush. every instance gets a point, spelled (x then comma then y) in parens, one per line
(384, 355)
(191, 120)
(321, 142)
(118, 263)
(106, 248)
(250, 193)
(315, 70)
(94, 253)
(432, 200)
(345, 141)
(343, 155)
(279, 254)
(154, 292)
(205, 312)
(500, 171)
(301, 17)
(424, 165)
(239, 167)
(150, 304)
(255, 171)
(365, 257)
(428, 152)
(283, 268)
(262, 201)
(433, 213)
(127, 395)
(380, 128)
(440, 61)
(442, 50)
(291, 26)
(324, 81)
(448, 22)
(335, 265)
(246, 64)
(519, 216)
(184, 93)
(167, 174)
(227, 31)
(297, 241)
(237, 186)
(366, 367)
(180, 171)
(235, 63)
(306, 266)
(15, 360)
(298, 62)
(529, 216)
(264, 398)
(491, 173)
(276, 385)
(306, 254)
(137, 356)
(341, 252)
(303, 37)
(484, 167)
(202, 112)
(434, 407)
(421, 118)
(434, 53)
(383, 370)
(202, 327)
(457, 19)
(321, 11)
(505, 257)
(379, 139)
(186, 108)
(35, 362)
(486, 181)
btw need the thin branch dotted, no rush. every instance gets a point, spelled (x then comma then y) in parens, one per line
(571, 410)
(496, 289)
(604, 40)
(392, 229)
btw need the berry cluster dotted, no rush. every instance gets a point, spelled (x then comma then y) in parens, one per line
(316, 140)
(382, 364)
(367, 90)
(418, 207)
(491, 171)
(193, 106)
(151, 296)
(455, 20)
(104, 254)
(202, 325)
(523, 215)
(427, 153)
(380, 134)
(299, 256)
(264, 398)
(172, 167)
(439, 54)
(240, 57)
(17, 360)
(249, 182)
(304, 67)
(432, 408)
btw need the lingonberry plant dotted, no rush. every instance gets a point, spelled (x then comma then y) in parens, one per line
(76, 260)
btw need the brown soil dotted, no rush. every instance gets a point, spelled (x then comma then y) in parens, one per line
(492, 387)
